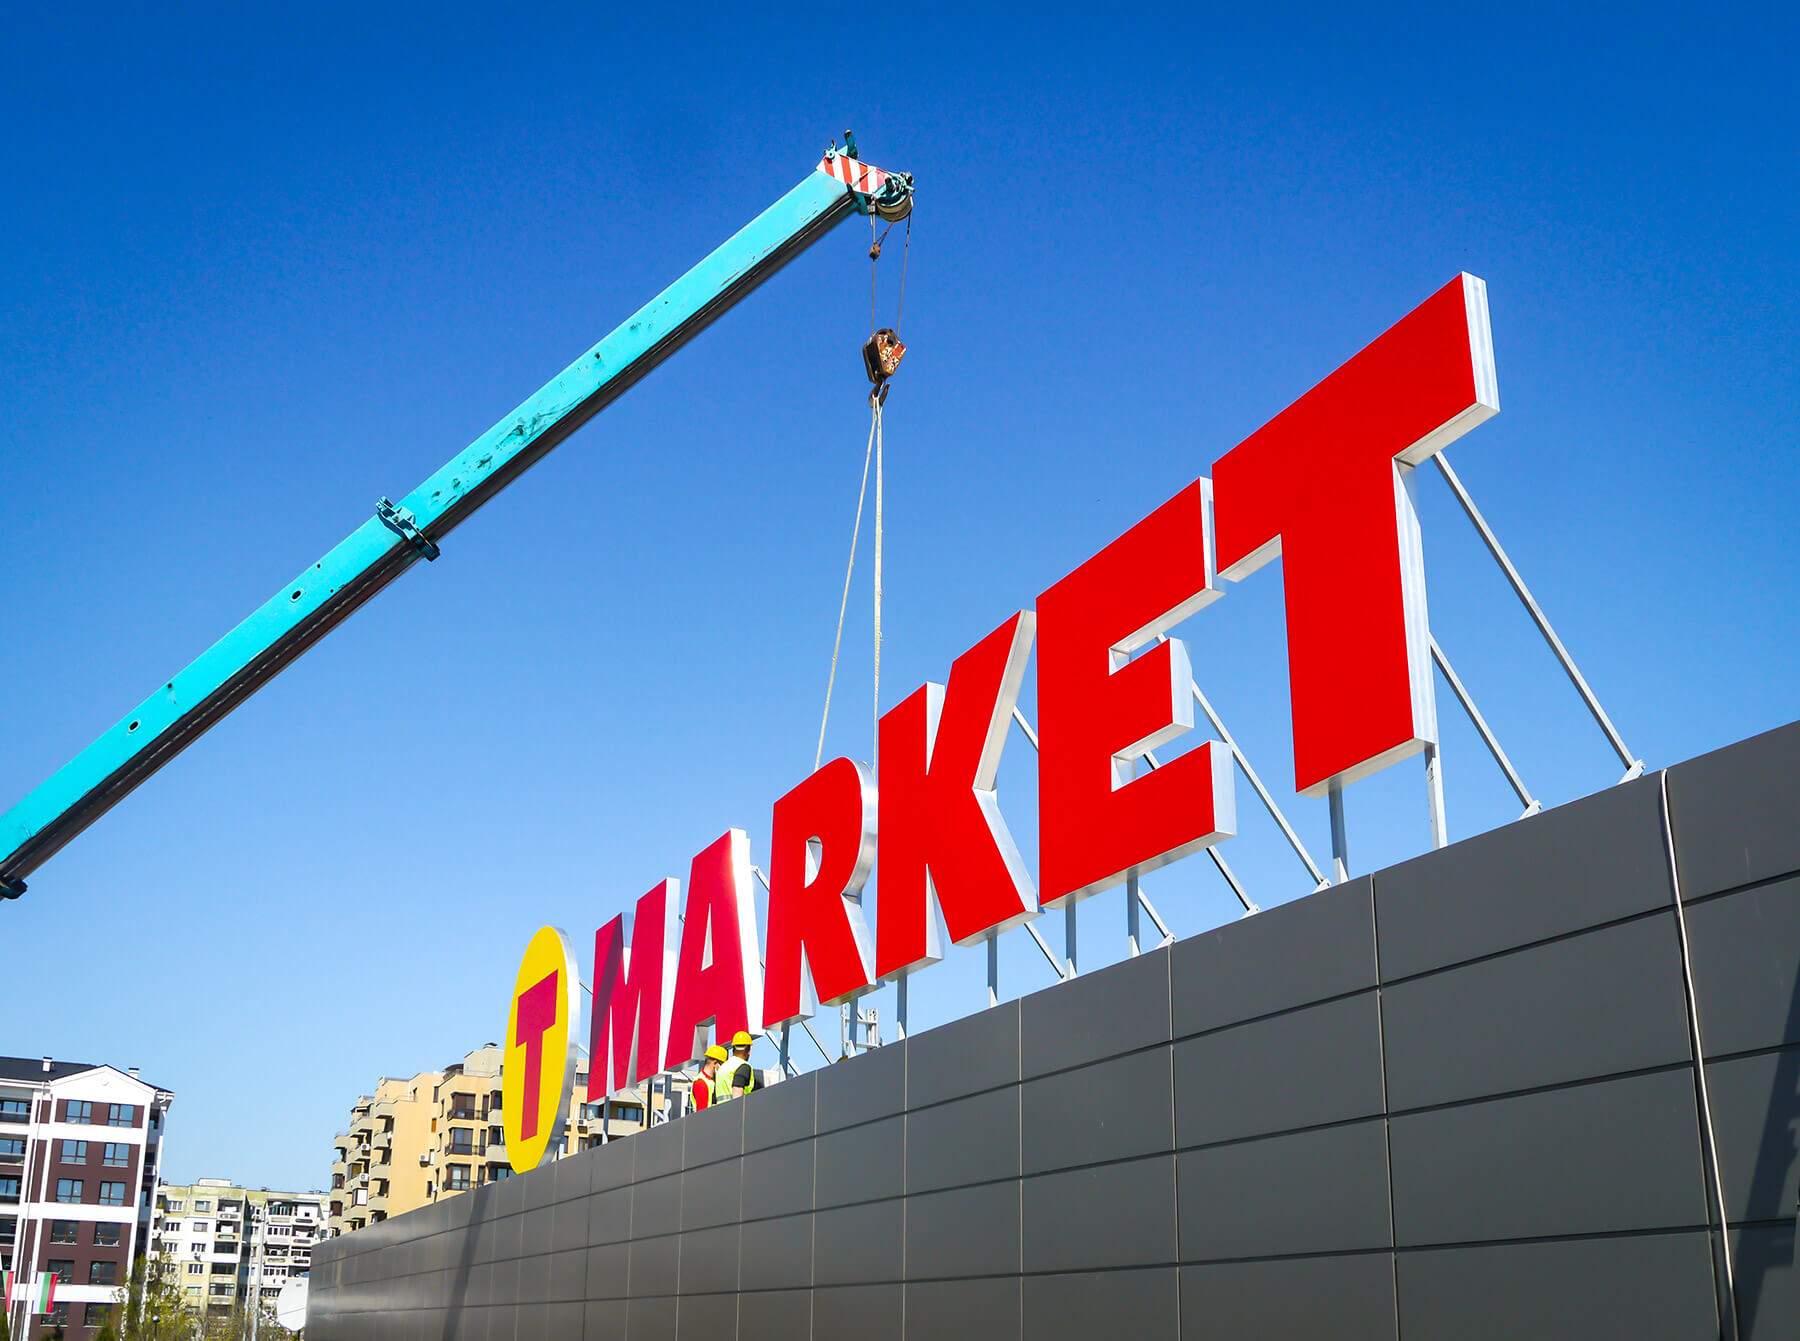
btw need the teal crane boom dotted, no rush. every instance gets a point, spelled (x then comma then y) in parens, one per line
(399, 535)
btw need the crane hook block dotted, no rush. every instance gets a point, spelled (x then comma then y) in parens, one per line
(882, 355)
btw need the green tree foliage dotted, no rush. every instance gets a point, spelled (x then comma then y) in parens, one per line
(149, 1306)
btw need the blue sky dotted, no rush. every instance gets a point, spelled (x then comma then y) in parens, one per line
(261, 271)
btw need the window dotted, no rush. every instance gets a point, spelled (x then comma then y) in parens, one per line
(202, 1205)
(65, 1231)
(196, 1268)
(171, 1227)
(176, 1205)
(458, 1180)
(63, 1268)
(103, 1273)
(79, 1110)
(106, 1236)
(121, 1115)
(462, 1141)
(223, 1269)
(74, 1152)
(14, 1110)
(96, 1314)
(9, 1187)
(69, 1190)
(112, 1194)
(12, 1145)
(58, 1316)
(116, 1156)
(193, 1290)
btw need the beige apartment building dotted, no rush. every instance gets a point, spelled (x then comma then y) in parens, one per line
(419, 1140)
(225, 1246)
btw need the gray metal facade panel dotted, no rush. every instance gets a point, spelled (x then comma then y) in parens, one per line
(655, 1266)
(569, 1222)
(856, 1245)
(860, 1163)
(1598, 1003)
(779, 1114)
(706, 1317)
(604, 1320)
(1746, 971)
(776, 1315)
(1579, 865)
(1306, 1192)
(1732, 813)
(647, 1319)
(656, 1206)
(710, 1195)
(1345, 1297)
(866, 1087)
(714, 1134)
(658, 1151)
(964, 1141)
(961, 1310)
(1107, 1215)
(1318, 946)
(1114, 1010)
(709, 1260)
(1649, 1287)
(613, 1165)
(1756, 1117)
(1111, 1110)
(1595, 1158)
(1768, 1287)
(855, 1313)
(1306, 1067)
(608, 1271)
(969, 1231)
(977, 1052)
(778, 1181)
(1143, 1304)
(609, 1216)
(567, 1276)
(776, 1254)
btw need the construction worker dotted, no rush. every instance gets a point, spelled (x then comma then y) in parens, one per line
(708, 1080)
(738, 1077)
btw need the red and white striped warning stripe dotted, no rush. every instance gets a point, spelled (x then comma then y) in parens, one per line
(864, 178)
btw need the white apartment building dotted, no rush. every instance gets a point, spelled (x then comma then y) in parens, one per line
(80, 1162)
(226, 1245)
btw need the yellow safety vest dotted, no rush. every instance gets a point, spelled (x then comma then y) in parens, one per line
(730, 1069)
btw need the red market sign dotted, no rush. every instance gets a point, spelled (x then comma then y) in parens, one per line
(1320, 485)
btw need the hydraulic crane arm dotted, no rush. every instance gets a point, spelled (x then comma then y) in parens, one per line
(386, 545)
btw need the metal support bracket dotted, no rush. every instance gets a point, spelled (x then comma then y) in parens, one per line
(403, 524)
(11, 889)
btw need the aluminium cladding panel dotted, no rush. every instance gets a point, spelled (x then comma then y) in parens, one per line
(1733, 813)
(1768, 1287)
(1593, 861)
(1649, 1287)
(1755, 1104)
(1595, 1003)
(1342, 1297)
(1745, 951)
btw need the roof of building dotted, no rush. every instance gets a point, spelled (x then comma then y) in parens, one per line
(32, 1068)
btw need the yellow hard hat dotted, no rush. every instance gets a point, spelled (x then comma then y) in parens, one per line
(741, 1039)
(716, 1053)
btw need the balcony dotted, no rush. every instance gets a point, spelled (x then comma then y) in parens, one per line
(384, 1140)
(496, 1154)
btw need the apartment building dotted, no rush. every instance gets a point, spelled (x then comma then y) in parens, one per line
(440, 1133)
(80, 1162)
(225, 1246)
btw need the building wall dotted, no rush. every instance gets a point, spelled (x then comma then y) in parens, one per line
(76, 1213)
(1475, 1095)
(223, 1245)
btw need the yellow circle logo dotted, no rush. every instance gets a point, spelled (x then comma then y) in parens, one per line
(539, 1064)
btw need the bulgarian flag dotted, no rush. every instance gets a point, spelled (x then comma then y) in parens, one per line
(42, 1295)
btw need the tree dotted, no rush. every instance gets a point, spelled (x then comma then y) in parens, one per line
(150, 1307)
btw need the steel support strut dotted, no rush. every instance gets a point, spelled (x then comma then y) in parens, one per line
(387, 544)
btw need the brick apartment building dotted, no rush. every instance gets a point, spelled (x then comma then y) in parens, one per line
(80, 1161)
